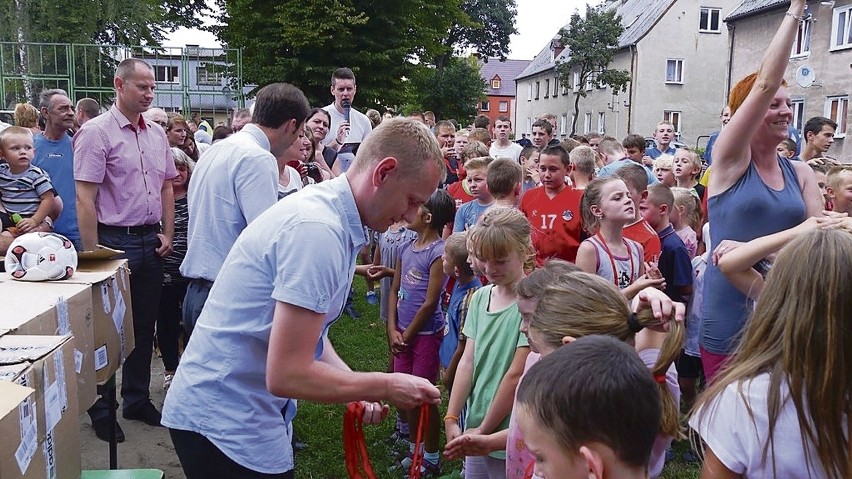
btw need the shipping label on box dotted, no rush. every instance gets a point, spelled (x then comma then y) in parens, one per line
(111, 312)
(56, 308)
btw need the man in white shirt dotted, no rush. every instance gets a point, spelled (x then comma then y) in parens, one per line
(262, 340)
(236, 182)
(349, 133)
(503, 147)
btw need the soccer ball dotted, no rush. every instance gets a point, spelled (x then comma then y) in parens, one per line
(41, 257)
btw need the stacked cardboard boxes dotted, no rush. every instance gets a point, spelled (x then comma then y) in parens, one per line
(57, 341)
(39, 390)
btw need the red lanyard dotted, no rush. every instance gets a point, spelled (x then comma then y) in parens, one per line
(612, 259)
(355, 447)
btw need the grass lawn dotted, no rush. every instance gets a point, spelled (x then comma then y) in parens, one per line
(362, 344)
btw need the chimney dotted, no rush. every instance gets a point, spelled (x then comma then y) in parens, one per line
(556, 47)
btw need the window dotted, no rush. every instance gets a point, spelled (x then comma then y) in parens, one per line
(601, 122)
(529, 92)
(837, 108)
(575, 84)
(555, 86)
(529, 124)
(798, 107)
(547, 88)
(503, 106)
(208, 75)
(802, 44)
(674, 118)
(590, 79)
(565, 87)
(708, 20)
(166, 74)
(674, 71)
(484, 106)
(587, 122)
(563, 124)
(495, 83)
(537, 89)
(841, 28)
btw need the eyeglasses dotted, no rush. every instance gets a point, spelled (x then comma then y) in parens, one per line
(162, 123)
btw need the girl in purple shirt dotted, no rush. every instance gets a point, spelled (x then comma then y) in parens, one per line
(415, 320)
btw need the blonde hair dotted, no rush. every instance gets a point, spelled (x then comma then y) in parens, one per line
(409, 141)
(582, 304)
(694, 159)
(499, 232)
(663, 162)
(26, 115)
(799, 334)
(687, 199)
(14, 131)
(583, 159)
(835, 176)
(479, 163)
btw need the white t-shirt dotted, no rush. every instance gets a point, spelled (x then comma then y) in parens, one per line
(292, 186)
(359, 125)
(512, 151)
(738, 438)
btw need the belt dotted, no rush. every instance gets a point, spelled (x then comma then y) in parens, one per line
(130, 230)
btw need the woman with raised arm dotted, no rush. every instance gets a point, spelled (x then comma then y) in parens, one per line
(752, 192)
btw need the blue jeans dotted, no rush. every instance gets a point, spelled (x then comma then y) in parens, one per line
(146, 281)
(193, 302)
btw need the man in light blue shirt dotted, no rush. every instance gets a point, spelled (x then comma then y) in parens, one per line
(261, 341)
(54, 154)
(235, 182)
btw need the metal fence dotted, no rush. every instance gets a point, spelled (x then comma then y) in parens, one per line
(189, 79)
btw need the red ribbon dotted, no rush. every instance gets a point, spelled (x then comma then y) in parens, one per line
(355, 447)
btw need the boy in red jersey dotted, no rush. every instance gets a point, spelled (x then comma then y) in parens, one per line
(553, 209)
(636, 179)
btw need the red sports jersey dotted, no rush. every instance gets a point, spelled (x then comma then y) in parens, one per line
(459, 193)
(556, 225)
(642, 233)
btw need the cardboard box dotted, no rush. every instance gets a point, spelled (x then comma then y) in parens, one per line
(111, 311)
(51, 308)
(49, 362)
(18, 429)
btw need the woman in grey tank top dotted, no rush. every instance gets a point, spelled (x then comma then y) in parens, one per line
(752, 191)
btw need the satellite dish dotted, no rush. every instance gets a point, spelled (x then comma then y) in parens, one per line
(805, 76)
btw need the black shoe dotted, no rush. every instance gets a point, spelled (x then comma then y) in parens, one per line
(146, 413)
(101, 427)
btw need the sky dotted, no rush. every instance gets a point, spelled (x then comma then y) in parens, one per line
(537, 22)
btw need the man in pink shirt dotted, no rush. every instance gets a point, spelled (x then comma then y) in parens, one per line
(123, 170)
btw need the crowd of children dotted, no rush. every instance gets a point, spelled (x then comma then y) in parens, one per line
(629, 313)
(572, 301)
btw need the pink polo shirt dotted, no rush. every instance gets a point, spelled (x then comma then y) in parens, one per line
(129, 162)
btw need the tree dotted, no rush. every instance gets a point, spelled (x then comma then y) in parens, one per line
(304, 42)
(118, 22)
(592, 42)
(451, 92)
(484, 27)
